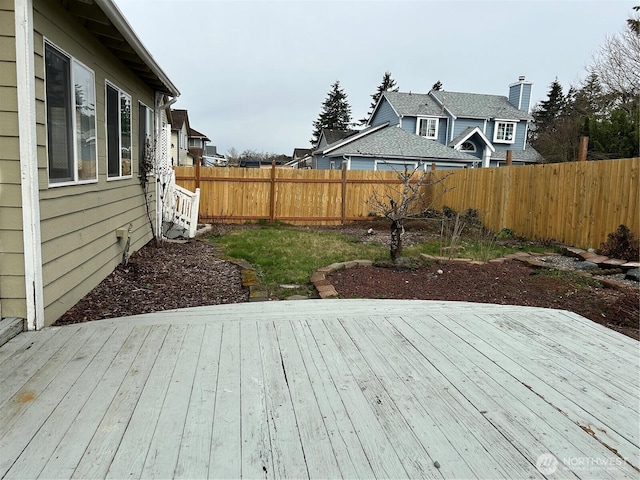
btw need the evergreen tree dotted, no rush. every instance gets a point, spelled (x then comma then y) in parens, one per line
(335, 114)
(546, 114)
(388, 84)
(437, 86)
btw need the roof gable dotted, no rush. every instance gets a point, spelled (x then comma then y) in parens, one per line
(467, 134)
(193, 133)
(179, 117)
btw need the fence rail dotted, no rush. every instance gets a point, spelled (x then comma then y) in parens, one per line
(576, 203)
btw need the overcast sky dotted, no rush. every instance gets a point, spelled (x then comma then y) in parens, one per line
(253, 74)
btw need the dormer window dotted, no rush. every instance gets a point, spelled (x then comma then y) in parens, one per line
(427, 127)
(505, 132)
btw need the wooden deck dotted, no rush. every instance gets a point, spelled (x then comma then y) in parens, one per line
(323, 389)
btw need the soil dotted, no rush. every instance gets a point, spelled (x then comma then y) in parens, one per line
(509, 283)
(156, 278)
(180, 275)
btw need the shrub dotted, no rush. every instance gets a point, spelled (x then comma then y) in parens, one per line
(621, 244)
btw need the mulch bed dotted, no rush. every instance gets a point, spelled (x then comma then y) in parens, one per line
(164, 277)
(509, 283)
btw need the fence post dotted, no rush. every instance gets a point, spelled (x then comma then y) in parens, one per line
(197, 160)
(433, 167)
(509, 158)
(343, 208)
(272, 193)
(582, 152)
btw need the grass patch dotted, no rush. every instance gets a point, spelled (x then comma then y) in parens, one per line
(287, 255)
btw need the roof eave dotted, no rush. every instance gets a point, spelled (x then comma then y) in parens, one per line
(115, 15)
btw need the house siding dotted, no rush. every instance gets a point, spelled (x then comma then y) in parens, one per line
(12, 283)
(384, 113)
(461, 124)
(514, 96)
(79, 222)
(180, 146)
(408, 124)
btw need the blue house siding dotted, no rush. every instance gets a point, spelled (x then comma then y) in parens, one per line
(409, 124)
(443, 125)
(383, 114)
(461, 124)
(323, 163)
(362, 163)
(514, 96)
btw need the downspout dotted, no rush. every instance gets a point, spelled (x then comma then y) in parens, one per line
(30, 195)
(348, 160)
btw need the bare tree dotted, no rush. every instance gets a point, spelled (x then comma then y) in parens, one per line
(418, 191)
(617, 62)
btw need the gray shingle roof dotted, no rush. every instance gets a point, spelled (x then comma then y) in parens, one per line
(530, 155)
(479, 105)
(392, 141)
(332, 135)
(413, 103)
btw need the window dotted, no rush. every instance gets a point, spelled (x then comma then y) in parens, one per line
(428, 127)
(195, 142)
(118, 105)
(467, 147)
(145, 134)
(504, 132)
(71, 118)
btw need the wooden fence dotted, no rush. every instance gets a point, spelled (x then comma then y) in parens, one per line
(575, 203)
(320, 197)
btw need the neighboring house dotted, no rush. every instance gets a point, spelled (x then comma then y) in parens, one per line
(79, 98)
(449, 129)
(180, 138)
(197, 143)
(301, 158)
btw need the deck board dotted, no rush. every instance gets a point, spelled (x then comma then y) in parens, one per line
(322, 389)
(195, 446)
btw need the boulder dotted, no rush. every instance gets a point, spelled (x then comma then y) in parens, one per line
(586, 266)
(633, 274)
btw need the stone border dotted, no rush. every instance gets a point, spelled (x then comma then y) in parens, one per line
(326, 290)
(319, 277)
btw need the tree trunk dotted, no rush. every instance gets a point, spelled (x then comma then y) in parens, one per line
(395, 246)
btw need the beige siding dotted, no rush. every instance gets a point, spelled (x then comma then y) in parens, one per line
(12, 290)
(79, 222)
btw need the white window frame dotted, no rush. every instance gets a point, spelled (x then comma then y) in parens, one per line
(73, 62)
(419, 120)
(150, 130)
(393, 163)
(506, 123)
(121, 94)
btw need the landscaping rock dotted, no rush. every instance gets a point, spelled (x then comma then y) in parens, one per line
(586, 266)
(297, 297)
(633, 274)
(572, 252)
